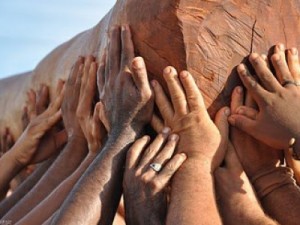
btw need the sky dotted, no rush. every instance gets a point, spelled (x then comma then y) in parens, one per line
(30, 29)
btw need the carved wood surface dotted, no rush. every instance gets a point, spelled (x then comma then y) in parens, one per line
(207, 37)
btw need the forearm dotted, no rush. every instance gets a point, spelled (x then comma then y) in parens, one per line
(9, 168)
(96, 196)
(65, 164)
(52, 203)
(25, 187)
(279, 195)
(193, 194)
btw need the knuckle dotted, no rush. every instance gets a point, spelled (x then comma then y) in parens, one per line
(155, 185)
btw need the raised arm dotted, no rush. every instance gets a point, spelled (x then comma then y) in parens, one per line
(274, 184)
(69, 159)
(128, 104)
(200, 140)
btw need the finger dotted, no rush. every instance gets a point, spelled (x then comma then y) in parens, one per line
(231, 159)
(139, 74)
(87, 65)
(42, 99)
(164, 155)
(249, 101)
(162, 102)
(25, 118)
(97, 126)
(156, 123)
(88, 92)
(266, 60)
(176, 91)
(154, 148)
(134, 153)
(49, 122)
(114, 51)
(101, 74)
(237, 98)
(60, 138)
(127, 47)
(103, 117)
(294, 65)
(247, 112)
(264, 74)
(31, 104)
(193, 94)
(280, 65)
(73, 74)
(170, 169)
(257, 92)
(56, 104)
(221, 121)
(243, 123)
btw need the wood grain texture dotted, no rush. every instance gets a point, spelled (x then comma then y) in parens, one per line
(207, 37)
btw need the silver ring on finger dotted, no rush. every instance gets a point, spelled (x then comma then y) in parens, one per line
(288, 82)
(156, 167)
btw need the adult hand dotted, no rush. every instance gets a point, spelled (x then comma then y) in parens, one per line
(253, 154)
(87, 114)
(126, 98)
(25, 149)
(187, 116)
(275, 122)
(6, 141)
(145, 189)
(70, 102)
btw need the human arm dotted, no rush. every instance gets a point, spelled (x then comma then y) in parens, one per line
(273, 183)
(26, 149)
(236, 197)
(88, 117)
(68, 160)
(127, 101)
(145, 190)
(200, 139)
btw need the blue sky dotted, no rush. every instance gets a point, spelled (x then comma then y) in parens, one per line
(30, 29)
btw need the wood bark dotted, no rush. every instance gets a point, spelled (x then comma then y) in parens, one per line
(207, 37)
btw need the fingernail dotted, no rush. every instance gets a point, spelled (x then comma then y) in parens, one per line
(167, 70)
(184, 74)
(281, 47)
(183, 155)
(227, 112)
(240, 111)
(174, 137)
(138, 62)
(294, 51)
(123, 28)
(254, 55)
(166, 130)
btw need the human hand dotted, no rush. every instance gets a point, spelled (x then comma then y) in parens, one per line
(253, 154)
(53, 139)
(70, 101)
(6, 141)
(89, 121)
(25, 149)
(145, 189)
(275, 122)
(126, 97)
(187, 116)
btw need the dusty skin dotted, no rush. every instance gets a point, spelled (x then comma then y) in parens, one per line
(219, 34)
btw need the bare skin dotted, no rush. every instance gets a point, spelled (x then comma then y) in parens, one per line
(89, 122)
(25, 149)
(69, 159)
(275, 187)
(274, 123)
(236, 198)
(126, 89)
(6, 142)
(145, 189)
(186, 115)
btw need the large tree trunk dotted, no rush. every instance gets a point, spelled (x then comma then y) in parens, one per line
(207, 37)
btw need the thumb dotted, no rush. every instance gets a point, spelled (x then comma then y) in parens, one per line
(221, 121)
